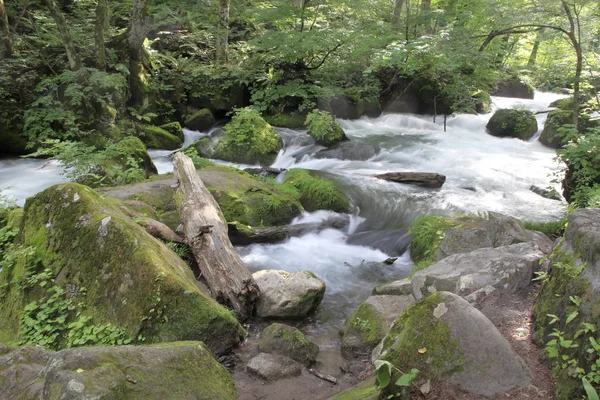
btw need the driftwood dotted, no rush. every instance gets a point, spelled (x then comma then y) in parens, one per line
(153, 227)
(323, 376)
(423, 179)
(274, 234)
(206, 233)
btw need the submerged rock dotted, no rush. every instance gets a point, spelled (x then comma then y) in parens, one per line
(272, 367)
(285, 295)
(549, 193)
(288, 341)
(448, 340)
(423, 179)
(183, 370)
(112, 271)
(370, 323)
(513, 123)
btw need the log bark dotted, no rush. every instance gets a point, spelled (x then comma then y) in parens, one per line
(101, 23)
(206, 233)
(423, 179)
(153, 227)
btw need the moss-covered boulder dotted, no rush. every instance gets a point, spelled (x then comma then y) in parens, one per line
(201, 120)
(316, 192)
(285, 295)
(158, 138)
(448, 340)
(105, 269)
(324, 129)
(125, 162)
(174, 128)
(556, 119)
(370, 323)
(180, 370)
(513, 123)
(515, 87)
(569, 304)
(249, 139)
(292, 120)
(288, 341)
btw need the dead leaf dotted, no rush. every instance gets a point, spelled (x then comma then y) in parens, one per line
(422, 350)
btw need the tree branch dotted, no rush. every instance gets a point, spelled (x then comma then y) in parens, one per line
(325, 57)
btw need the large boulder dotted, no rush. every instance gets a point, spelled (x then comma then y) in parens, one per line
(556, 119)
(569, 304)
(324, 129)
(285, 295)
(174, 128)
(249, 139)
(370, 323)
(288, 341)
(481, 271)
(448, 340)
(512, 123)
(107, 274)
(272, 367)
(201, 120)
(514, 87)
(180, 370)
(123, 157)
(159, 138)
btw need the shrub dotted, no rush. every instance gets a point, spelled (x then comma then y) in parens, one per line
(322, 126)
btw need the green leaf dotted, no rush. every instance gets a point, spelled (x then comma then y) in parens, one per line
(408, 378)
(589, 390)
(383, 370)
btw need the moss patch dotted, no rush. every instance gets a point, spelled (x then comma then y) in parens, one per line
(316, 193)
(367, 324)
(288, 341)
(201, 120)
(286, 120)
(322, 126)
(366, 390)
(426, 233)
(174, 128)
(158, 138)
(516, 123)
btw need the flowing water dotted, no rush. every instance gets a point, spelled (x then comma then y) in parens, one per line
(484, 173)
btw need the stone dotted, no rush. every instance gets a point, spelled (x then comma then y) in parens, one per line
(86, 241)
(180, 370)
(370, 323)
(514, 87)
(288, 341)
(402, 287)
(285, 295)
(174, 128)
(504, 230)
(158, 138)
(512, 123)
(462, 240)
(272, 367)
(507, 268)
(450, 341)
(201, 120)
(549, 193)
(423, 179)
(544, 243)
(556, 119)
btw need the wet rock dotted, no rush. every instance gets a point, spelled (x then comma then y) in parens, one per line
(542, 240)
(505, 230)
(267, 172)
(549, 193)
(463, 240)
(324, 129)
(201, 120)
(450, 341)
(512, 123)
(423, 179)
(514, 87)
(370, 323)
(272, 367)
(348, 151)
(285, 295)
(288, 341)
(480, 272)
(124, 372)
(402, 287)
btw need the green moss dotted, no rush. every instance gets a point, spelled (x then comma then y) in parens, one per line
(517, 123)
(158, 138)
(322, 126)
(249, 139)
(174, 128)
(286, 120)
(316, 193)
(127, 161)
(288, 341)
(552, 229)
(201, 120)
(89, 243)
(426, 233)
(417, 328)
(366, 390)
(367, 324)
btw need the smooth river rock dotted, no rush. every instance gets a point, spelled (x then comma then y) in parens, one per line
(272, 367)
(423, 179)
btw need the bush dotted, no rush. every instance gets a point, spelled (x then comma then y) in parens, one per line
(322, 126)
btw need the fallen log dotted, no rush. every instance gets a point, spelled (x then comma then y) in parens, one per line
(323, 376)
(423, 179)
(153, 227)
(206, 233)
(241, 235)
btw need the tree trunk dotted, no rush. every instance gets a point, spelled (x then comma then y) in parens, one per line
(397, 13)
(63, 31)
(101, 22)
(534, 51)
(223, 32)
(6, 44)
(206, 234)
(136, 36)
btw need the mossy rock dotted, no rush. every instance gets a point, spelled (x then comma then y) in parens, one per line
(174, 128)
(158, 138)
(120, 158)
(179, 371)
(556, 119)
(87, 242)
(290, 120)
(515, 87)
(201, 120)
(366, 390)
(206, 147)
(317, 193)
(324, 129)
(515, 123)
(288, 341)
(448, 340)
(249, 139)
